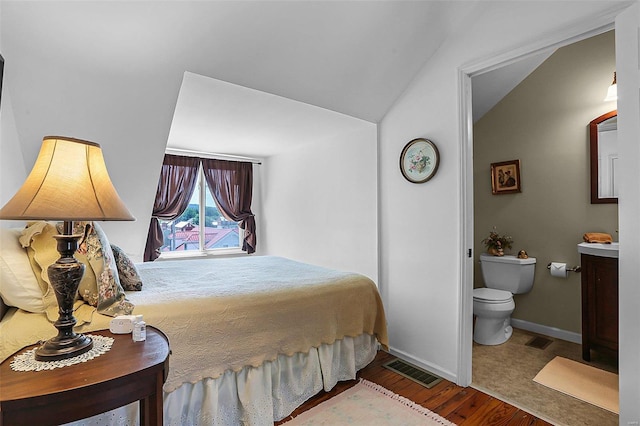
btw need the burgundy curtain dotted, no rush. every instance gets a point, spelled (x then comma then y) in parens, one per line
(178, 178)
(231, 184)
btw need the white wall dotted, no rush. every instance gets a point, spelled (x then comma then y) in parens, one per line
(421, 250)
(320, 205)
(128, 115)
(628, 70)
(11, 159)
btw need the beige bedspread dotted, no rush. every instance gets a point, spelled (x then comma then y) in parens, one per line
(222, 314)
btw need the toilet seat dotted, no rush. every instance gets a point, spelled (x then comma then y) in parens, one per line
(491, 295)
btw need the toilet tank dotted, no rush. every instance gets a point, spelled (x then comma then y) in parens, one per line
(508, 272)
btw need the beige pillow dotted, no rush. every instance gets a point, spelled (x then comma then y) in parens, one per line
(42, 250)
(18, 284)
(99, 286)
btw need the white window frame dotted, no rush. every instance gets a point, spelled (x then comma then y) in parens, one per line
(201, 187)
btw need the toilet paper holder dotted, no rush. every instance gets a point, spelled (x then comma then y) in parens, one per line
(574, 269)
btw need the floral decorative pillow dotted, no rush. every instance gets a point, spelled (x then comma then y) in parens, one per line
(127, 271)
(108, 296)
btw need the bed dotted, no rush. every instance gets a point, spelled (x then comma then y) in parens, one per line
(252, 337)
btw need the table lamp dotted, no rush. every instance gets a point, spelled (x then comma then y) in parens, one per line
(69, 182)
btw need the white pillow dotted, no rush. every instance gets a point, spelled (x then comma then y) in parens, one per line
(18, 284)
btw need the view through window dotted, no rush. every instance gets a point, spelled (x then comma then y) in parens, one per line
(189, 233)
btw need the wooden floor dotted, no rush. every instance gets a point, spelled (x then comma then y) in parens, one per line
(462, 406)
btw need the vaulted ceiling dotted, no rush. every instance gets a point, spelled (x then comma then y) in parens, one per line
(353, 58)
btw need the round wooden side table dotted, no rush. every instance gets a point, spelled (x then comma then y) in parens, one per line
(130, 371)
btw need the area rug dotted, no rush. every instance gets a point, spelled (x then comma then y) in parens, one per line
(367, 403)
(589, 384)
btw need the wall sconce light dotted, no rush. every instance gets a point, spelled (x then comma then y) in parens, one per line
(612, 92)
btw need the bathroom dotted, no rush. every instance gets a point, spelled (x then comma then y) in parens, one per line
(544, 123)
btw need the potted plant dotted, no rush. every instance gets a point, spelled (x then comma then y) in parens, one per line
(496, 243)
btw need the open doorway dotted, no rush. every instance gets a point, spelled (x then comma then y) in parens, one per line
(546, 230)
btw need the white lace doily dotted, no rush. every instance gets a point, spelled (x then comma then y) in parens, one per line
(27, 362)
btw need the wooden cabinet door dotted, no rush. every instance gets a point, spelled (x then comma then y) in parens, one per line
(600, 303)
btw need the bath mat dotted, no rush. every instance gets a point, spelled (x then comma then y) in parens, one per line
(589, 384)
(367, 403)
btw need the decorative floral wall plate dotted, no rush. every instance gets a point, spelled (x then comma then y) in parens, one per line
(419, 160)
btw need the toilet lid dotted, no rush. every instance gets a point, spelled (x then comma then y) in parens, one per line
(491, 295)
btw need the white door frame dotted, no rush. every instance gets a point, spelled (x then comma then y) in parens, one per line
(564, 37)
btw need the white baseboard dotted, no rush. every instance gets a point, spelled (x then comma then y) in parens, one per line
(558, 333)
(432, 368)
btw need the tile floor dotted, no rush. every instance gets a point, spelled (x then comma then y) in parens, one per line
(507, 371)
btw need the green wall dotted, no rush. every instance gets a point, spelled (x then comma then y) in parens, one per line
(544, 122)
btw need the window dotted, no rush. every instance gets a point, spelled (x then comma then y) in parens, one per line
(192, 223)
(190, 233)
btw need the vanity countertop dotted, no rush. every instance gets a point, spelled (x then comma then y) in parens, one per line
(599, 249)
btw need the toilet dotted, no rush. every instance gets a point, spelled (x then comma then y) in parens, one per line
(503, 277)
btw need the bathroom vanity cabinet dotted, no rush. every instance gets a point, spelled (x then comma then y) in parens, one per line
(599, 304)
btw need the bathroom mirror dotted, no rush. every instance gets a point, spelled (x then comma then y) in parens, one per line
(603, 134)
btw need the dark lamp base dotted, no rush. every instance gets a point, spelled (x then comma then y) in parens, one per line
(56, 349)
(65, 275)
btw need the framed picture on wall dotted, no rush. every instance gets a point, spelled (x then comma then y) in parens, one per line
(505, 177)
(419, 160)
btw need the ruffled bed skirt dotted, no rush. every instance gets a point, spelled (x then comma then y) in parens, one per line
(256, 396)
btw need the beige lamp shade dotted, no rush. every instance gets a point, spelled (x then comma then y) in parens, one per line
(69, 182)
